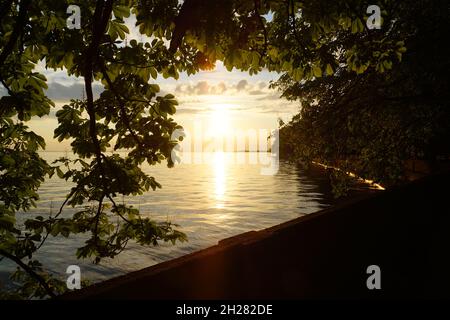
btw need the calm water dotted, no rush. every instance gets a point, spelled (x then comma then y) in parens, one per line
(210, 202)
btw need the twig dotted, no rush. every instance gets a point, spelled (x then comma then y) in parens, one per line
(30, 271)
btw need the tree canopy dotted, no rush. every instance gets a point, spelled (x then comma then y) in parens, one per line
(372, 123)
(312, 43)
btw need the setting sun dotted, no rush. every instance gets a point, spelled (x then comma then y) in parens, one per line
(220, 121)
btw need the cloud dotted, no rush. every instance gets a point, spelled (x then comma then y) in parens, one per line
(256, 92)
(245, 95)
(63, 91)
(242, 85)
(189, 111)
(280, 107)
(203, 87)
(59, 92)
(270, 96)
(219, 89)
(262, 85)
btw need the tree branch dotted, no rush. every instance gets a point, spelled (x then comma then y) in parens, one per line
(30, 271)
(17, 31)
(126, 120)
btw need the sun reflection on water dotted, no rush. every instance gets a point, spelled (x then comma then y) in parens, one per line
(220, 179)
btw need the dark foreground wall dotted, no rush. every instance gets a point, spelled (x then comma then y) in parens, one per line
(324, 255)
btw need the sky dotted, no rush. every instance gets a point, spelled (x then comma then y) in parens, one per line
(214, 100)
(219, 101)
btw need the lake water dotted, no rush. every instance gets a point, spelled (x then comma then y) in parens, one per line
(209, 202)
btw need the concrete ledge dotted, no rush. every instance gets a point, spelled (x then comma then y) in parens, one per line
(405, 231)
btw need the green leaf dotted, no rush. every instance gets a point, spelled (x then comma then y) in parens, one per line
(121, 12)
(287, 66)
(8, 161)
(317, 71)
(153, 73)
(59, 173)
(329, 70)
(298, 74)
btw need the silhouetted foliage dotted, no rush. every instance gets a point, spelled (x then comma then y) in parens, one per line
(370, 123)
(312, 42)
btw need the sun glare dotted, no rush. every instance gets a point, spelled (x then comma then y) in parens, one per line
(219, 121)
(220, 181)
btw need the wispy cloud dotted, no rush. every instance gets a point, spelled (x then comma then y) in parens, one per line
(59, 92)
(203, 87)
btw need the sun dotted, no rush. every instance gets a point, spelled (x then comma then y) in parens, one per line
(219, 122)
